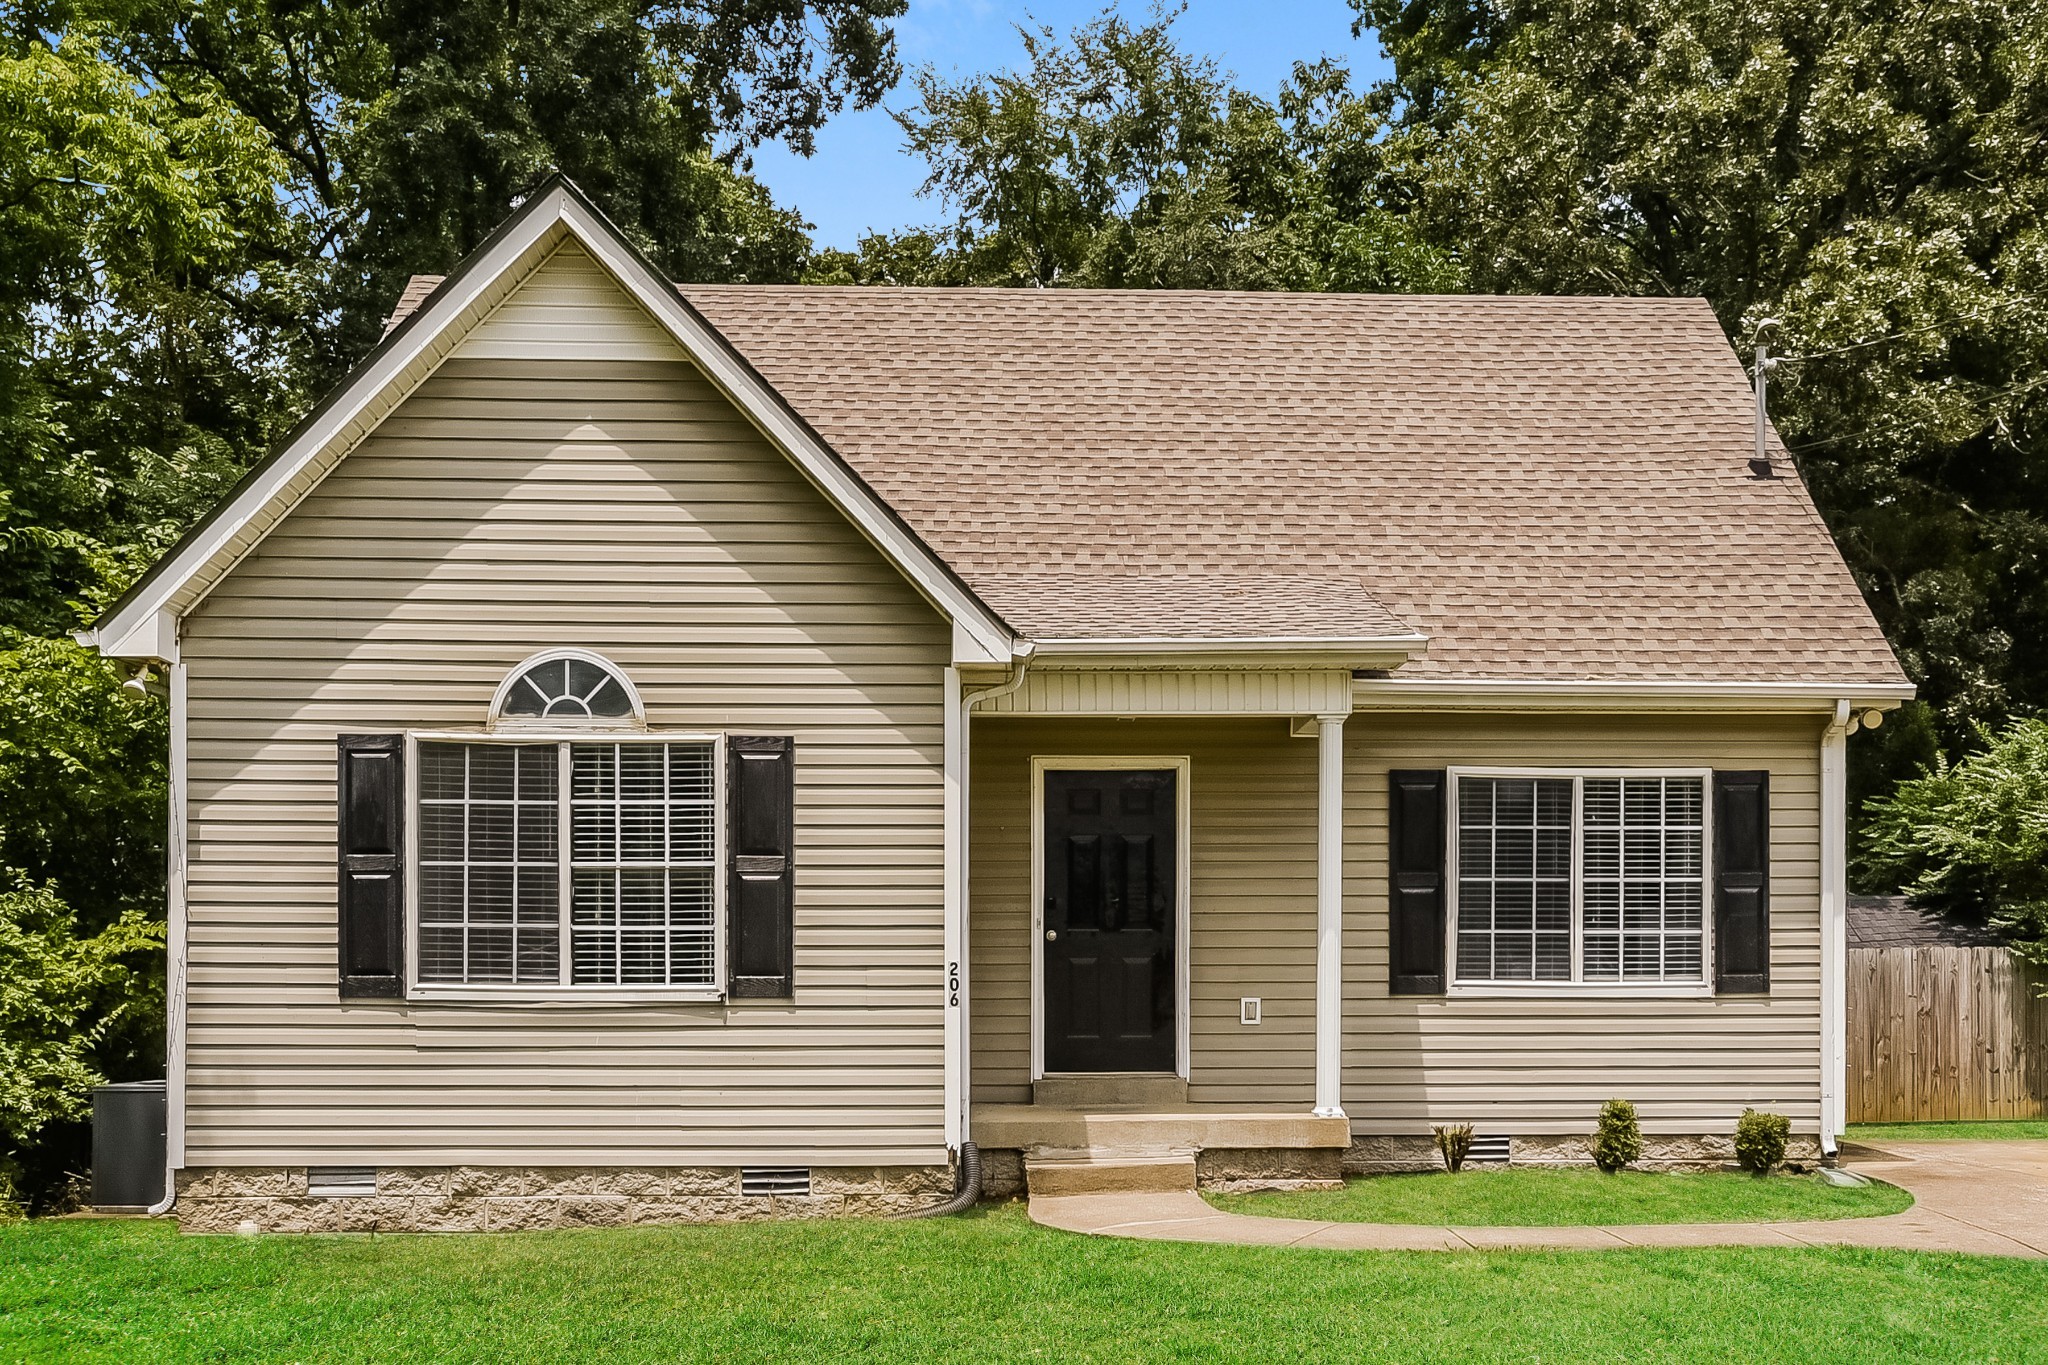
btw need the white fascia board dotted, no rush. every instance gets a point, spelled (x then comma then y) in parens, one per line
(1604, 695)
(536, 231)
(1403, 645)
(775, 420)
(1249, 652)
(153, 639)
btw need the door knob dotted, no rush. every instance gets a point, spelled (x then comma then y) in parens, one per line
(1051, 934)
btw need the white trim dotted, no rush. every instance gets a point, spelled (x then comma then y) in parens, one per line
(1330, 917)
(563, 992)
(177, 934)
(1602, 695)
(497, 716)
(1401, 643)
(1183, 888)
(1834, 883)
(534, 232)
(953, 983)
(1576, 987)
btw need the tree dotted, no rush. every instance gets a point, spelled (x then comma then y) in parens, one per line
(1970, 838)
(1874, 176)
(1115, 159)
(61, 994)
(412, 127)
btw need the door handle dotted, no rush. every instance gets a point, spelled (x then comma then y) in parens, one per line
(1051, 935)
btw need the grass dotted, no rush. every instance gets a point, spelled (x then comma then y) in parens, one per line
(987, 1287)
(1993, 1129)
(1530, 1197)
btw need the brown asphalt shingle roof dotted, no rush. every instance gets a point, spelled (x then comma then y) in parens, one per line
(1551, 488)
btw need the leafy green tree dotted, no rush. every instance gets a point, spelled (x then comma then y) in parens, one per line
(411, 127)
(1116, 159)
(1870, 174)
(1970, 838)
(61, 994)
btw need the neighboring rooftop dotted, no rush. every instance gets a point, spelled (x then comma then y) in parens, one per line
(1892, 922)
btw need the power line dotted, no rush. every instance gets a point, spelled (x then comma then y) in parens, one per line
(1896, 336)
(2007, 390)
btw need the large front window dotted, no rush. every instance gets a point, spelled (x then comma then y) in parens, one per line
(567, 862)
(1586, 877)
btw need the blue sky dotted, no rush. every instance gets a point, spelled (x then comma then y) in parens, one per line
(860, 177)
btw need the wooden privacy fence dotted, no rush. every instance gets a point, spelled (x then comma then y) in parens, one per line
(1939, 1032)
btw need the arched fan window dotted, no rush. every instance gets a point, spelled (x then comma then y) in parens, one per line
(568, 685)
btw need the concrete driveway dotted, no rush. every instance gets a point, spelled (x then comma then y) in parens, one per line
(1984, 1198)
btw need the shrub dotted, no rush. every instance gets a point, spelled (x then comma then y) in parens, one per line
(1760, 1140)
(1454, 1140)
(1620, 1139)
(1970, 838)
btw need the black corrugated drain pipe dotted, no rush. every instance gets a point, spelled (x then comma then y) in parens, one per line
(966, 1196)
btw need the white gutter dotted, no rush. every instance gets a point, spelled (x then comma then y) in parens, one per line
(1602, 694)
(175, 935)
(1408, 642)
(1834, 887)
(958, 1061)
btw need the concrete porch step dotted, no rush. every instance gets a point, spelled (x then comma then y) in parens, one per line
(1109, 1090)
(1105, 1173)
(1048, 1130)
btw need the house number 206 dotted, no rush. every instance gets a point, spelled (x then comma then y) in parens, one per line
(952, 983)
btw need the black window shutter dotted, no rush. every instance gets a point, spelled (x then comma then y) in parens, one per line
(370, 897)
(1415, 891)
(761, 891)
(1742, 883)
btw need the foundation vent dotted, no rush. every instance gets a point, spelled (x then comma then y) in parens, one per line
(763, 1181)
(341, 1182)
(1491, 1148)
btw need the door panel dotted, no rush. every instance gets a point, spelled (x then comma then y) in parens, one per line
(1110, 883)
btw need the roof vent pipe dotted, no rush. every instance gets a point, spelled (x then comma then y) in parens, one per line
(1760, 465)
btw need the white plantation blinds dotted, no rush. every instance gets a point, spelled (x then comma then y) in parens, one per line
(626, 899)
(1644, 879)
(489, 888)
(1581, 878)
(641, 860)
(1515, 879)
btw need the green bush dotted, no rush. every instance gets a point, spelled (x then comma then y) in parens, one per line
(1454, 1140)
(1970, 838)
(1760, 1140)
(1620, 1138)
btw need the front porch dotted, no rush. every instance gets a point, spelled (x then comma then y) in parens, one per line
(1155, 947)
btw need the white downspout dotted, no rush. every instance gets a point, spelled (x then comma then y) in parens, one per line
(1834, 890)
(175, 935)
(958, 1060)
(1330, 916)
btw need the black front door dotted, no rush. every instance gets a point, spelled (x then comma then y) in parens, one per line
(1110, 875)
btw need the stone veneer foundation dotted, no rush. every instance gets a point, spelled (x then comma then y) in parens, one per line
(1661, 1152)
(510, 1198)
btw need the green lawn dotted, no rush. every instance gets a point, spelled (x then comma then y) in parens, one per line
(988, 1287)
(1995, 1129)
(1531, 1197)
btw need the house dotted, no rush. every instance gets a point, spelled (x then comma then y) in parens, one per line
(651, 753)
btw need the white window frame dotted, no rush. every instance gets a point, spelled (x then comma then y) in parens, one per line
(613, 724)
(524, 992)
(1606, 990)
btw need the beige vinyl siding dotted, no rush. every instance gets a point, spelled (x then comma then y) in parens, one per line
(605, 499)
(1252, 879)
(1545, 1065)
(1533, 1066)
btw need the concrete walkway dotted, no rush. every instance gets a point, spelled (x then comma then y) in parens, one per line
(1985, 1198)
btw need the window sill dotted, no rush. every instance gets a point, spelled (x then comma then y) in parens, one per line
(1579, 990)
(566, 995)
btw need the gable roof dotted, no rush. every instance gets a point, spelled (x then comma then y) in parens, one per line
(141, 624)
(1547, 488)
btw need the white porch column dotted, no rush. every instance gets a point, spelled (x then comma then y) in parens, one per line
(1330, 916)
(1834, 886)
